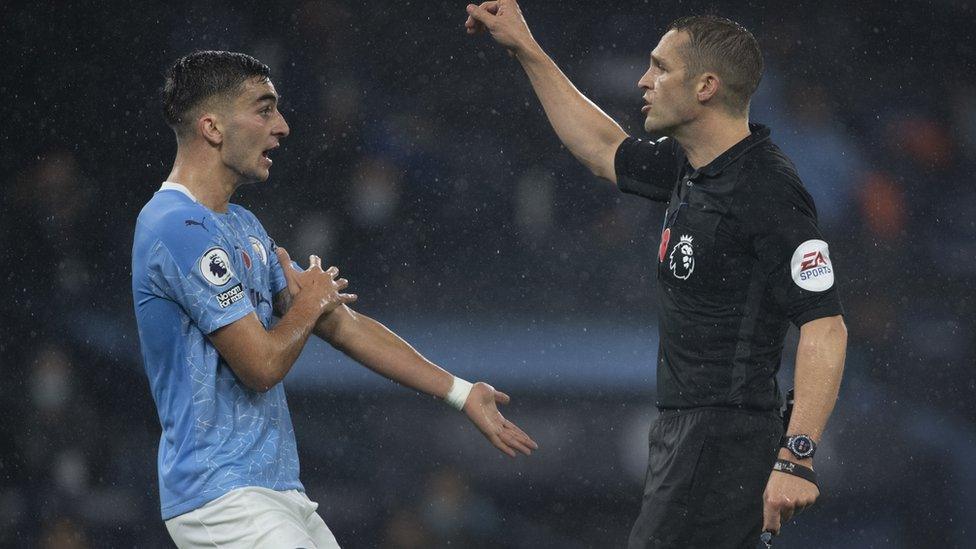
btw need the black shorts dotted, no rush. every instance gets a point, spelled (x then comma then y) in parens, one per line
(706, 473)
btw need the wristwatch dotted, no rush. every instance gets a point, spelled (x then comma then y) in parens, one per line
(801, 446)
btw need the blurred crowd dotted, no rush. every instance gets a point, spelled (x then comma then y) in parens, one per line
(421, 164)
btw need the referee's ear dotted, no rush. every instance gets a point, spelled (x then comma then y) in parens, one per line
(708, 86)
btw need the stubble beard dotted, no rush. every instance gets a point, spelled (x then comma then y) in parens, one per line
(248, 171)
(658, 128)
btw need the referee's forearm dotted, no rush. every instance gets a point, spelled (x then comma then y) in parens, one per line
(819, 369)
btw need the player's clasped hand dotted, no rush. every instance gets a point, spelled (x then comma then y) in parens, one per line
(314, 283)
(481, 407)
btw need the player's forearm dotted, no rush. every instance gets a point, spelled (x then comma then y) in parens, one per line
(375, 346)
(819, 368)
(286, 341)
(588, 133)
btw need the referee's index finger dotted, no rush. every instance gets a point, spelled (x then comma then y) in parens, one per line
(479, 14)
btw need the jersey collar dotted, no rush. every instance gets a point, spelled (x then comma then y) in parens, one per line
(759, 134)
(170, 186)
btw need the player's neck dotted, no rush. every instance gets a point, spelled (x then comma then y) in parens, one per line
(705, 139)
(208, 180)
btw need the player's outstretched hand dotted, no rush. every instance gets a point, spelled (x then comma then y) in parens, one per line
(482, 409)
(785, 495)
(314, 283)
(503, 20)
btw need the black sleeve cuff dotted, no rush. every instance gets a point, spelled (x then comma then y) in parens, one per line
(832, 308)
(645, 169)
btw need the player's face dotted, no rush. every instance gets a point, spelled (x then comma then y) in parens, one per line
(254, 127)
(669, 95)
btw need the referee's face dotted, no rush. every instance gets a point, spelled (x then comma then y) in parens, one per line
(669, 98)
(253, 129)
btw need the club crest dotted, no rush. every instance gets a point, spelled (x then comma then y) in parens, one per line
(259, 249)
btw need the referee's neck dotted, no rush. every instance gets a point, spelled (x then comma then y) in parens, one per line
(707, 137)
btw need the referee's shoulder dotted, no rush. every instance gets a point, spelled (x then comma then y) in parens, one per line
(769, 173)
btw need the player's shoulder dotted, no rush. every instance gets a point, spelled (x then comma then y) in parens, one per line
(166, 207)
(251, 222)
(243, 213)
(185, 228)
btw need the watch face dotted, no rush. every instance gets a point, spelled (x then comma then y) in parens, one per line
(802, 446)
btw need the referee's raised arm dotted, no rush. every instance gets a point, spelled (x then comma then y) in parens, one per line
(591, 135)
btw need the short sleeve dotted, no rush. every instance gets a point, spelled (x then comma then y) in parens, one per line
(647, 168)
(278, 280)
(206, 286)
(781, 224)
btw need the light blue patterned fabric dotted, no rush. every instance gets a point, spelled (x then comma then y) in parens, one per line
(194, 271)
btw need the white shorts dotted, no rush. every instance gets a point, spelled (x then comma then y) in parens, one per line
(253, 517)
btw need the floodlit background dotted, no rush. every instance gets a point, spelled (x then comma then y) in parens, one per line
(422, 165)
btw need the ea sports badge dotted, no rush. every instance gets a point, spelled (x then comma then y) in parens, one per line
(811, 268)
(215, 267)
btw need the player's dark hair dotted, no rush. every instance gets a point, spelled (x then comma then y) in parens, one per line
(727, 48)
(202, 75)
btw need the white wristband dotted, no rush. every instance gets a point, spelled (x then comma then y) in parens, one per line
(459, 392)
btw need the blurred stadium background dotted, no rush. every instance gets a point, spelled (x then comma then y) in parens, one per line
(421, 163)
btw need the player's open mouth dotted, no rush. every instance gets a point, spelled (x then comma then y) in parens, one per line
(646, 108)
(264, 155)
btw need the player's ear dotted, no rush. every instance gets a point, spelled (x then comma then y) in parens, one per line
(708, 85)
(210, 128)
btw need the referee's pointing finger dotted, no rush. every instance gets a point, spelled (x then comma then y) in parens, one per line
(480, 15)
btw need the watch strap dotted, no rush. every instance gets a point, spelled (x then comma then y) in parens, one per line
(795, 469)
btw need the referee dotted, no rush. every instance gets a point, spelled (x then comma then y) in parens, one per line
(740, 257)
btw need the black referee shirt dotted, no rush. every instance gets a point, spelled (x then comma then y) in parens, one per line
(740, 257)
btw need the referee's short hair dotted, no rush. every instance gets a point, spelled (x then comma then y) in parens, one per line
(203, 75)
(727, 48)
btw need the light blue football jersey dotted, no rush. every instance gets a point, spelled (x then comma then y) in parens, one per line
(193, 271)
